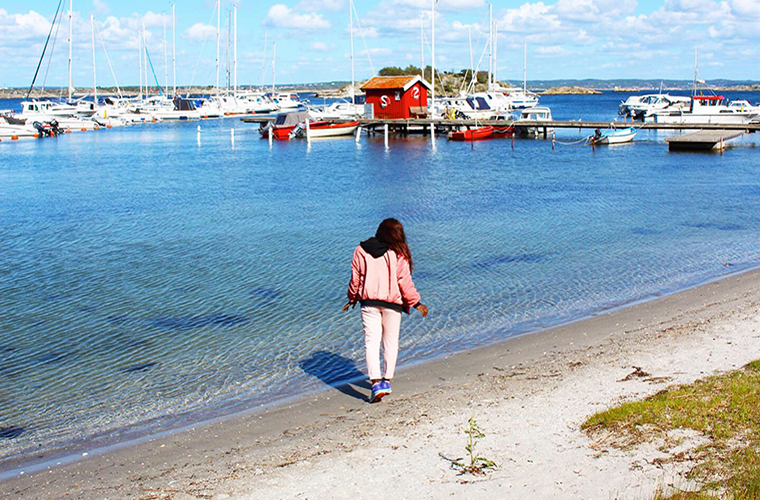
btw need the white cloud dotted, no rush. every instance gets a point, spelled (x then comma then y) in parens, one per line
(199, 32)
(100, 7)
(282, 16)
(317, 5)
(551, 50)
(15, 27)
(365, 32)
(746, 8)
(445, 5)
(319, 46)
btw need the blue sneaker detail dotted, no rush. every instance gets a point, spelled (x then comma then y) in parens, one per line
(386, 385)
(379, 390)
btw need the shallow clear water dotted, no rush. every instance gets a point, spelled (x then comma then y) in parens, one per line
(147, 280)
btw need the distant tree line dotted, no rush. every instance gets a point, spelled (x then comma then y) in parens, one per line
(466, 74)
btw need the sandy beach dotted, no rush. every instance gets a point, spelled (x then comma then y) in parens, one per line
(530, 394)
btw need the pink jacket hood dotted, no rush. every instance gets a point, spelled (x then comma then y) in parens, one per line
(386, 278)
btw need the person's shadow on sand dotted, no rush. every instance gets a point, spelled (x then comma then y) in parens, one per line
(336, 371)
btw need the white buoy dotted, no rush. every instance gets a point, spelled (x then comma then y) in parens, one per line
(270, 137)
(385, 133)
(198, 135)
(308, 132)
(432, 132)
(358, 134)
(232, 137)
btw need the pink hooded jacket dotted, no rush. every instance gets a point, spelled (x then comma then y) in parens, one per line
(385, 279)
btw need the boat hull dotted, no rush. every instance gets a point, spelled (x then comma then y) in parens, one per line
(474, 134)
(333, 129)
(617, 136)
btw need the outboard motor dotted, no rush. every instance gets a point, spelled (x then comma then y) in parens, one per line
(41, 129)
(54, 128)
(298, 131)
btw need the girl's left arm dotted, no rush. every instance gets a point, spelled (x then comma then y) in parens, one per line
(408, 291)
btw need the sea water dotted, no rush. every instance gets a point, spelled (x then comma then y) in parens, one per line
(148, 279)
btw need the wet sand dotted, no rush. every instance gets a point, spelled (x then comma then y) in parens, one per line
(529, 394)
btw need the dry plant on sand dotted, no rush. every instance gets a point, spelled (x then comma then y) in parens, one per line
(725, 409)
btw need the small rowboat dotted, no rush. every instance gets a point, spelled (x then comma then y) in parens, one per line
(614, 136)
(473, 134)
(328, 129)
(504, 131)
(281, 132)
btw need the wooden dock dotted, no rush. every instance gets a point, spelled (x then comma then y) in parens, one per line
(703, 140)
(422, 125)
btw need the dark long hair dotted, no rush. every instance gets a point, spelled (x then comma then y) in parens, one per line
(391, 232)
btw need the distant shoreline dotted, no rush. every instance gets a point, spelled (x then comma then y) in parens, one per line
(337, 90)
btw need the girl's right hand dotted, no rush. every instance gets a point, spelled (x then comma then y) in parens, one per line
(422, 308)
(350, 304)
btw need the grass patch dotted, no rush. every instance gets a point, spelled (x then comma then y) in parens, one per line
(724, 408)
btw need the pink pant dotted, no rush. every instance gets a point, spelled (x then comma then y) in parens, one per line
(381, 324)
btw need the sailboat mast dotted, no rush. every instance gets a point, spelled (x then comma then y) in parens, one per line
(495, 51)
(351, 31)
(94, 73)
(228, 78)
(166, 59)
(422, 47)
(218, 29)
(234, 77)
(525, 68)
(274, 62)
(140, 54)
(432, 73)
(472, 61)
(696, 63)
(145, 60)
(490, 45)
(264, 60)
(71, 31)
(174, 53)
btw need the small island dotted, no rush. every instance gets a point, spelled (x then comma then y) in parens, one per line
(570, 91)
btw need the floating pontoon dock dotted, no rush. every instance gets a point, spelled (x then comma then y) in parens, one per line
(703, 140)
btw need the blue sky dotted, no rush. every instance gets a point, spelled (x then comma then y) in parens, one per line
(566, 38)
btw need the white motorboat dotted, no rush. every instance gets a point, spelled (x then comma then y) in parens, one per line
(518, 98)
(341, 110)
(286, 101)
(742, 106)
(705, 109)
(12, 127)
(163, 108)
(536, 114)
(472, 108)
(257, 102)
(651, 103)
(47, 111)
(326, 129)
(613, 136)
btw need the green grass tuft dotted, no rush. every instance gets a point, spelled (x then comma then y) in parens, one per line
(724, 408)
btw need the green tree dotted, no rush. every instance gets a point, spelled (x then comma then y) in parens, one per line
(391, 71)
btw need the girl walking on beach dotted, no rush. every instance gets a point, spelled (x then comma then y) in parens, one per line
(381, 280)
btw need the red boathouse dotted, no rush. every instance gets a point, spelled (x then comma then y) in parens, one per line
(396, 97)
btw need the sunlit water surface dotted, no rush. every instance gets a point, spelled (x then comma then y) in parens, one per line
(149, 280)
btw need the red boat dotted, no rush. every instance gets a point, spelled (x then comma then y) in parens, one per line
(283, 125)
(473, 134)
(506, 131)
